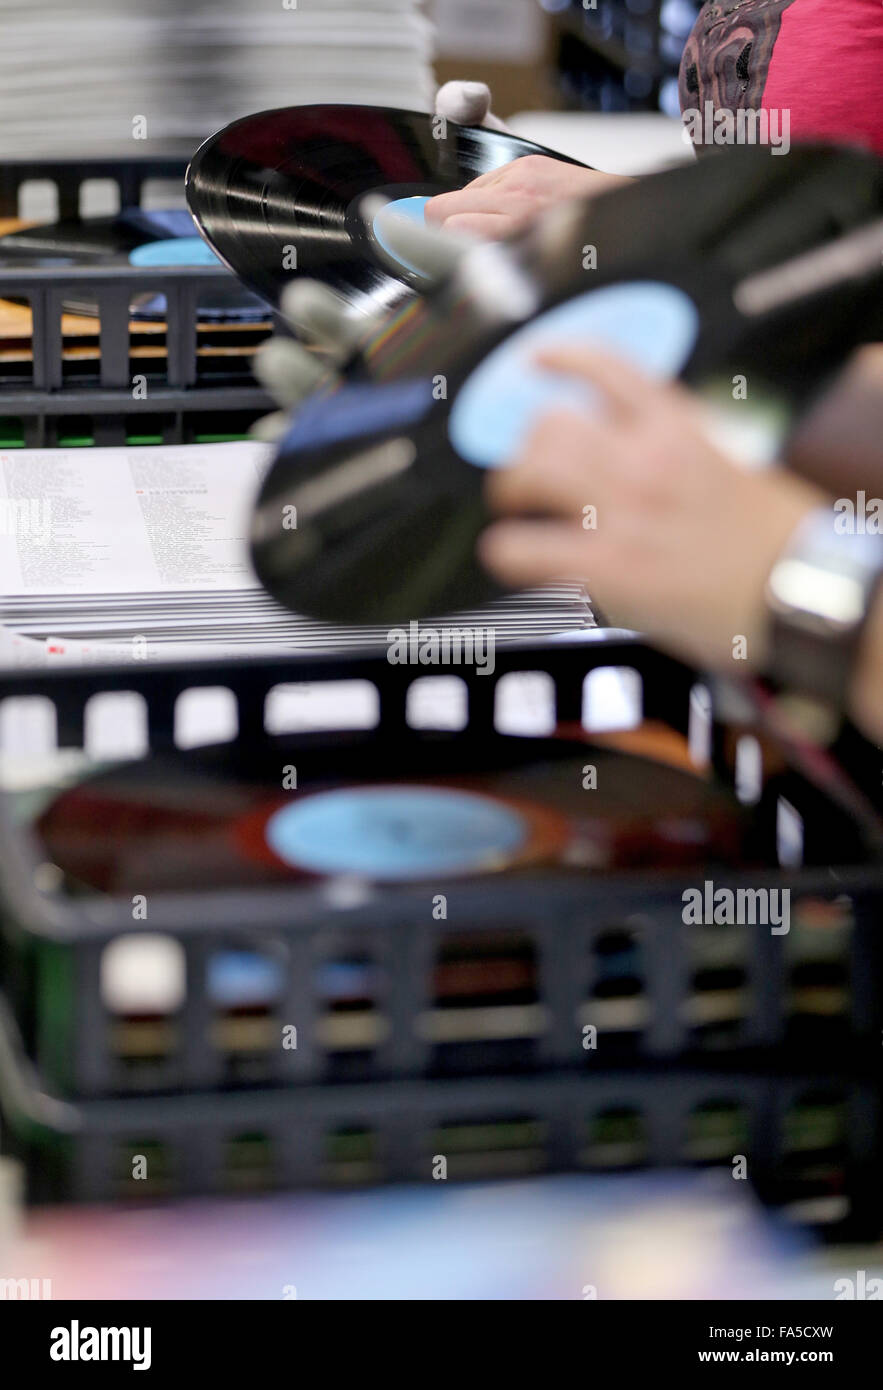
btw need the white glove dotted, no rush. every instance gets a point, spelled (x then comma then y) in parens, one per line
(467, 103)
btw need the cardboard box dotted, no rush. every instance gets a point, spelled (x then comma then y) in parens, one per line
(507, 43)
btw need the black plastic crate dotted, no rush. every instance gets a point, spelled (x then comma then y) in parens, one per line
(807, 1142)
(607, 951)
(179, 402)
(333, 1110)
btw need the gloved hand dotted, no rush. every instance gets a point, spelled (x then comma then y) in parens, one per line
(292, 370)
(467, 103)
(329, 328)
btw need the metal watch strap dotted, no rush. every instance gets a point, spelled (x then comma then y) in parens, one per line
(819, 594)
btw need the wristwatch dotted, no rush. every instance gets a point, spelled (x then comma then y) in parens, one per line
(819, 594)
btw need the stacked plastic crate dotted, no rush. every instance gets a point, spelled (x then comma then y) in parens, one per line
(346, 1033)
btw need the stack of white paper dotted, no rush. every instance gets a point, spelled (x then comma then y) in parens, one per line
(142, 554)
(175, 71)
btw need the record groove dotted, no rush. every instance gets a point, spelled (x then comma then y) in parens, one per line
(293, 180)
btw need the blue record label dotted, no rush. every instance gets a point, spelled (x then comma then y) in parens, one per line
(652, 325)
(411, 208)
(396, 833)
(185, 250)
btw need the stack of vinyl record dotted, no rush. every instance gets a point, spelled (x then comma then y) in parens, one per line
(168, 74)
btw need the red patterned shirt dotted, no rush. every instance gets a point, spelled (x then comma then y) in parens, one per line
(816, 63)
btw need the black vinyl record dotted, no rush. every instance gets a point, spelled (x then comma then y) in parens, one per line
(743, 265)
(131, 238)
(281, 192)
(192, 821)
(78, 240)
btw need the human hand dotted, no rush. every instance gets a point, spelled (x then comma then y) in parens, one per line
(671, 537)
(503, 200)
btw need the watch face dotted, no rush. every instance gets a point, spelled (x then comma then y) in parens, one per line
(819, 593)
(824, 580)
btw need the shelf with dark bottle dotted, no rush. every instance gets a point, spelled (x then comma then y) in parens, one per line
(620, 54)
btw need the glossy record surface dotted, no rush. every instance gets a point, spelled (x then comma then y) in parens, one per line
(293, 179)
(389, 508)
(194, 822)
